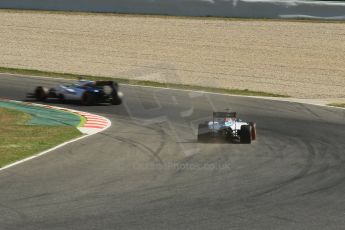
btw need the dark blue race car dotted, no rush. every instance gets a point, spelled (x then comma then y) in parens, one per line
(86, 92)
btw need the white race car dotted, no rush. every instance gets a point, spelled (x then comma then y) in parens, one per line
(225, 125)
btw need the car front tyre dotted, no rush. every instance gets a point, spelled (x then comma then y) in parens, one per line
(88, 99)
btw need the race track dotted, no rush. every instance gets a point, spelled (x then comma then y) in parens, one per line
(148, 172)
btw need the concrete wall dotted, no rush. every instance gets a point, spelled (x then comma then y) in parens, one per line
(224, 8)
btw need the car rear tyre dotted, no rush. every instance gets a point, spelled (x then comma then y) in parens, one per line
(253, 125)
(246, 134)
(115, 99)
(41, 93)
(203, 133)
(88, 99)
(61, 98)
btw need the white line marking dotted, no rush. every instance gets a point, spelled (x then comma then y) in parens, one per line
(42, 153)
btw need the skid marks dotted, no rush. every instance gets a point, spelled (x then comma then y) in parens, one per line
(320, 170)
(151, 148)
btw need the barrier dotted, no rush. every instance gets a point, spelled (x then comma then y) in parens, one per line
(219, 8)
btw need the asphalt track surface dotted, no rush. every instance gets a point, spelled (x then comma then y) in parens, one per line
(148, 172)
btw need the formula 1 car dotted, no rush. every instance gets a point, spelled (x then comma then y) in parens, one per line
(226, 126)
(86, 92)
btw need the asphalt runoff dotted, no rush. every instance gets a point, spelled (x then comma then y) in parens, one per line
(148, 171)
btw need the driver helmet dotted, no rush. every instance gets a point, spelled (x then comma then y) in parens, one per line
(229, 119)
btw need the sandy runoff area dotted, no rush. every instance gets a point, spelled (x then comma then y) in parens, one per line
(300, 59)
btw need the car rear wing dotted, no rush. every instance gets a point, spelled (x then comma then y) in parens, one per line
(113, 85)
(224, 114)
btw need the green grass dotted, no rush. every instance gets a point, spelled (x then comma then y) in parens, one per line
(245, 92)
(342, 105)
(18, 140)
